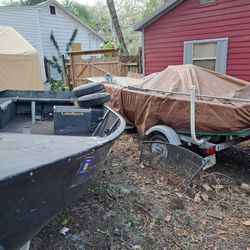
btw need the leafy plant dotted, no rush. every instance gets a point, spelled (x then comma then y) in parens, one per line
(58, 86)
(56, 62)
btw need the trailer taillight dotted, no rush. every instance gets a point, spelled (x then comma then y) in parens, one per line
(210, 151)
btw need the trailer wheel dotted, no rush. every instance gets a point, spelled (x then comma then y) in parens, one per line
(158, 144)
(93, 100)
(88, 88)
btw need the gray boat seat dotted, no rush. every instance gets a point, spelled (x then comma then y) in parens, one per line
(76, 120)
(7, 111)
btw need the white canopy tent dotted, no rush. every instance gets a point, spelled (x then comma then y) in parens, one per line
(19, 62)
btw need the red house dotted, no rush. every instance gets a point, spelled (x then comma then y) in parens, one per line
(213, 34)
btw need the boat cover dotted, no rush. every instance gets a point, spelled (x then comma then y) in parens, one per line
(144, 107)
(19, 62)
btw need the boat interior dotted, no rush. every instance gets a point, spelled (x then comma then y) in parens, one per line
(53, 125)
(48, 113)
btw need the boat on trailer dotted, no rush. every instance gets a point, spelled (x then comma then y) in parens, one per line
(185, 106)
(51, 150)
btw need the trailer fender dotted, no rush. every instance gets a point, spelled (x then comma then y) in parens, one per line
(168, 132)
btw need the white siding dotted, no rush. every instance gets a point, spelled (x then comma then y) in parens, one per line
(63, 25)
(25, 21)
(36, 23)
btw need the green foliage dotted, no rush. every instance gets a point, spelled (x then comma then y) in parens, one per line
(56, 62)
(54, 42)
(65, 222)
(32, 2)
(96, 17)
(108, 44)
(79, 10)
(150, 6)
(71, 40)
(58, 86)
(22, 2)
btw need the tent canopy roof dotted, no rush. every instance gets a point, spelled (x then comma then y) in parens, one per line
(12, 43)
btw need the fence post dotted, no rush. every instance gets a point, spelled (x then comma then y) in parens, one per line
(64, 76)
(72, 70)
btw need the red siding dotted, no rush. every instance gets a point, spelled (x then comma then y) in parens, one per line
(164, 39)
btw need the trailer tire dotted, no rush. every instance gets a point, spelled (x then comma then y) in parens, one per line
(88, 88)
(157, 145)
(93, 100)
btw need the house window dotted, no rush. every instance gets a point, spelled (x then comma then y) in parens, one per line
(209, 54)
(52, 10)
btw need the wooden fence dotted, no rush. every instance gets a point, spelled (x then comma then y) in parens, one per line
(79, 69)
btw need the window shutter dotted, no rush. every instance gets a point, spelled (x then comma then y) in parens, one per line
(188, 53)
(221, 62)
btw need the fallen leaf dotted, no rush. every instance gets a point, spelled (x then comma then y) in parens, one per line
(204, 196)
(224, 238)
(197, 198)
(246, 223)
(64, 230)
(218, 187)
(176, 203)
(179, 195)
(204, 222)
(245, 187)
(137, 247)
(163, 193)
(215, 214)
(167, 218)
(207, 187)
(221, 231)
(142, 165)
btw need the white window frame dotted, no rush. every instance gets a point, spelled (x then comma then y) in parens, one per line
(55, 10)
(221, 53)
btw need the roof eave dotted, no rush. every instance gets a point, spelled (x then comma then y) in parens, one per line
(162, 10)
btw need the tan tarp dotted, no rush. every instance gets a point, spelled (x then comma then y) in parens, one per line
(19, 62)
(146, 109)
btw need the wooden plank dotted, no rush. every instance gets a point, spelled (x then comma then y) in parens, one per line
(93, 52)
(86, 65)
(134, 75)
(96, 63)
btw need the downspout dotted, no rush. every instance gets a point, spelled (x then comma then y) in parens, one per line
(192, 116)
(143, 53)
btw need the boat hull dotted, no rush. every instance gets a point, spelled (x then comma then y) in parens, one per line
(30, 200)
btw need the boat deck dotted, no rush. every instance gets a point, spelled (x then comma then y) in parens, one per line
(22, 152)
(17, 124)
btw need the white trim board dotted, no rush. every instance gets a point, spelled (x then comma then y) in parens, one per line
(221, 53)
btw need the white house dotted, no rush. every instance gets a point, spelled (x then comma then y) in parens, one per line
(35, 24)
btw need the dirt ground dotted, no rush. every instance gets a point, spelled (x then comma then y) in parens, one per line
(137, 206)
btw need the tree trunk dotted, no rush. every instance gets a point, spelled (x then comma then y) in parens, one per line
(117, 27)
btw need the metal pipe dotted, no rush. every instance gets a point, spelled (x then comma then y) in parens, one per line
(187, 94)
(33, 112)
(192, 116)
